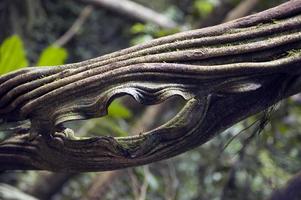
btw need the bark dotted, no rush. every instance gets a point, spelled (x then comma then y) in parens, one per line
(225, 73)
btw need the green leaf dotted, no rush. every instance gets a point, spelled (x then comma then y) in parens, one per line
(12, 55)
(204, 7)
(117, 110)
(108, 126)
(165, 32)
(138, 28)
(52, 55)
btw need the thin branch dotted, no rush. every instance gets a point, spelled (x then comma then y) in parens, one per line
(134, 184)
(73, 30)
(244, 8)
(49, 184)
(10, 192)
(100, 184)
(144, 186)
(135, 10)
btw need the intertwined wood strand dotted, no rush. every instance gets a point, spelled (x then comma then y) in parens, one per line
(225, 73)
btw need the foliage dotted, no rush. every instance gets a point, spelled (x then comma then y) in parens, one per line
(117, 110)
(148, 31)
(52, 55)
(204, 7)
(12, 55)
(13, 48)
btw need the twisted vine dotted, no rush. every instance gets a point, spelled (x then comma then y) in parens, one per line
(225, 73)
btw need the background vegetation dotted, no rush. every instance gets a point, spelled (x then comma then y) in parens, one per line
(247, 161)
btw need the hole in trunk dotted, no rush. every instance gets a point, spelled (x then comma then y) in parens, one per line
(128, 117)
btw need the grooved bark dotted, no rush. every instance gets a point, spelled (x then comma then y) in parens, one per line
(225, 73)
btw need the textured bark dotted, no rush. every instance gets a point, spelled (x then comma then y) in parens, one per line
(225, 73)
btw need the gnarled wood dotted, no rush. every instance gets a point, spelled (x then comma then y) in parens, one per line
(225, 73)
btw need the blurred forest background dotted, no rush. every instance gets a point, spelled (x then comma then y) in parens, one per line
(248, 161)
